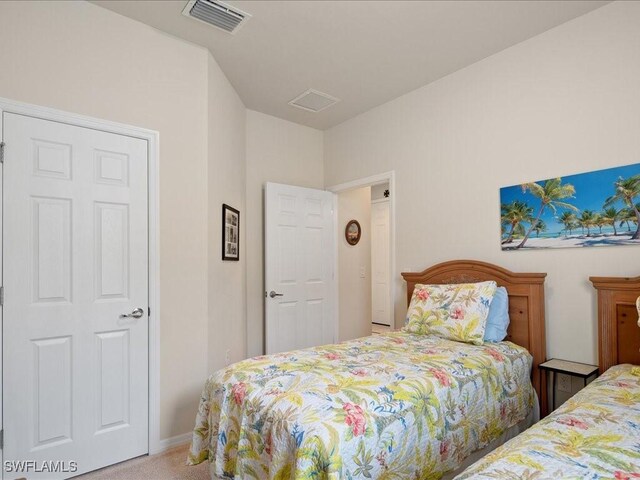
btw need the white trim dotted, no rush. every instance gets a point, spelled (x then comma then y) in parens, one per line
(365, 182)
(386, 177)
(167, 443)
(392, 207)
(380, 200)
(153, 139)
(335, 275)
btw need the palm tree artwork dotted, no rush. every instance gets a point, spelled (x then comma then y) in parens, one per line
(599, 222)
(540, 226)
(611, 216)
(587, 220)
(513, 217)
(626, 217)
(569, 220)
(551, 193)
(627, 190)
(592, 209)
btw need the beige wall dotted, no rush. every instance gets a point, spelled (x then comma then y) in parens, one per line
(81, 58)
(227, 279)
(354, 310)
(282, 152)
(564, 102)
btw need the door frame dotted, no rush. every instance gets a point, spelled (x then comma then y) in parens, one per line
(385, 177)
(152, 138)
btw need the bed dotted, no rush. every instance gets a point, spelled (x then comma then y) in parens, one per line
(396, 405)
(596, 433)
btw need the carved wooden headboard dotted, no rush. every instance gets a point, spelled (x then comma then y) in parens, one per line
(618, 332)
(526, 305)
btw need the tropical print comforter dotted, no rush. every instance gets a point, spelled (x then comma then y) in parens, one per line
(392, 406)
(594, 435)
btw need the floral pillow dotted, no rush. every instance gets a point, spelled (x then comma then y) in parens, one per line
(456, 312)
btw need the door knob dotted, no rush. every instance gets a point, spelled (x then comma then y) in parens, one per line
(273, 294)
(137, 313)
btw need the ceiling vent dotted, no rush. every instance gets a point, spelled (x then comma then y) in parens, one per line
(218, 14)
(313, 101)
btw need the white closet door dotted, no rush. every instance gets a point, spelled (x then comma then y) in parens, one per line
(75, 374)
(299, 267)
(380, 263)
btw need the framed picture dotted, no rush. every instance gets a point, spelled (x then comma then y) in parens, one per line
(352, 232)
(593, 209)
(230, 233)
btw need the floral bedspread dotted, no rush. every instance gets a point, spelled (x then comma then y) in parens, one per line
(594, 435)
(392, 406)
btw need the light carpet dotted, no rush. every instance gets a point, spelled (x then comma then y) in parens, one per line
(168, 465)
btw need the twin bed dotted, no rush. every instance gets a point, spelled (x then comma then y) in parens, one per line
(596, 433)
(398, 405)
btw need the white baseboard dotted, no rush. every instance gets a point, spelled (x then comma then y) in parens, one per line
(167, 443)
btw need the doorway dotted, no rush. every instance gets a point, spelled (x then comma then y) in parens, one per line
(365, 269)
(381, 315)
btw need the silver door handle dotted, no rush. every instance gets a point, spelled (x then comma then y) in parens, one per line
(273, 294)
(137, 313)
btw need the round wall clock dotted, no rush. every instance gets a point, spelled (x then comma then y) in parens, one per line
(352, 232)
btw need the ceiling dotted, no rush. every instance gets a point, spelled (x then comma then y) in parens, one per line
(362, 52)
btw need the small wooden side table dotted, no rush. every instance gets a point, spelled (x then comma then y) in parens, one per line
(574, 369)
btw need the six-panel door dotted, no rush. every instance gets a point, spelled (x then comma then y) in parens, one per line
(299, 266)
(75, 260)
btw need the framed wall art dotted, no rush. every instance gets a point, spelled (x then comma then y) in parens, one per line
(230, 233)
(353, 232)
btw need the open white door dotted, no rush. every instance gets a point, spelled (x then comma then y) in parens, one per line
(299, 268)
(75, 332)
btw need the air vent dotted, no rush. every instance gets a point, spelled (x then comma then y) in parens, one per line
(313, 101)
(218, 14)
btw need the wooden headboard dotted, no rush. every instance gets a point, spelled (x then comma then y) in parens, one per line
(618, 332)
(526, 305)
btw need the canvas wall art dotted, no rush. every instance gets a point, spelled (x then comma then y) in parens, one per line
(594, 209)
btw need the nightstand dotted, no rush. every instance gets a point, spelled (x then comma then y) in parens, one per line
(574, 369)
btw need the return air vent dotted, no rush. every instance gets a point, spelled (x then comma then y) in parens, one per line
(313, 101)
(218, 14)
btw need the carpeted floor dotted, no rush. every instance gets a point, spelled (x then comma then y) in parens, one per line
(168, 465)
(379, 328)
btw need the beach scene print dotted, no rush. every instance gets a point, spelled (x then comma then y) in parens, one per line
(594, 209)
